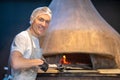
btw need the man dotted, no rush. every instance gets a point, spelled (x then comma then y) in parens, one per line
(25, 57)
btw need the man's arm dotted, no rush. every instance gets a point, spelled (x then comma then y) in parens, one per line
(17, 61)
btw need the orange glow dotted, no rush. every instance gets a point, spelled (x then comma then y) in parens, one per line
(63, 60)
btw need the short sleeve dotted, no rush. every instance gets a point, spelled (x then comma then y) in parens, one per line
(19, 44)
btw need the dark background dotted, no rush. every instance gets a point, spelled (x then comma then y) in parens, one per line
(14, 17)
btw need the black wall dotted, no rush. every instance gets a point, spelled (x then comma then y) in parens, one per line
(14, 17)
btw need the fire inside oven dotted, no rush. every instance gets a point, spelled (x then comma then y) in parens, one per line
(70, 61)
(76, 61)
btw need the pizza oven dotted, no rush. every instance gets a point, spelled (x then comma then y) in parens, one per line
(78, 35)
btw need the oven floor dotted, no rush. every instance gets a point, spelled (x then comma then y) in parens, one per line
(100, 74)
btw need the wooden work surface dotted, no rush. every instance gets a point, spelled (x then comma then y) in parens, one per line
(98, 71)
(100, 74)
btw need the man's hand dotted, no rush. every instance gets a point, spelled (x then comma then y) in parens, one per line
(44, 66)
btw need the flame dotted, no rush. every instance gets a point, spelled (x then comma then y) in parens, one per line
(63, 60)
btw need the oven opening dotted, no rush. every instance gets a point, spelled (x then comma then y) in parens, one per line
(71, 61)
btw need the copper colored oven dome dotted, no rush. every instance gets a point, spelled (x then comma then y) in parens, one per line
(77, 27)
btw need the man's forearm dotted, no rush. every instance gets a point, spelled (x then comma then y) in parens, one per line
(18, 61)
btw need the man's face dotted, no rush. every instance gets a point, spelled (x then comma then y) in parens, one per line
(40, 25)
